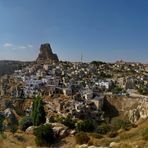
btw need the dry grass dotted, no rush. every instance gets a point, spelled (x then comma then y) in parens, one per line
(18, 140)
(133, 138)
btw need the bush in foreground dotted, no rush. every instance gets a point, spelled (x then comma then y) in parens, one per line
(82, 138)
(85, 126)
(25, 122)
(44, 135)
(69, 122)
(103, 129)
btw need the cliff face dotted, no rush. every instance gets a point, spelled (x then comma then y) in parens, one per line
(135, 109)
(46, 54)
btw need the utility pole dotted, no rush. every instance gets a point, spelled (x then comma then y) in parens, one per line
(81, 57)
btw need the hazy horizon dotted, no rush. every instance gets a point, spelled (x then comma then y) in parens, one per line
(101, 30)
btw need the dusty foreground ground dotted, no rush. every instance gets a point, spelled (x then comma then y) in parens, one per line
(125, 139)
(18, 140)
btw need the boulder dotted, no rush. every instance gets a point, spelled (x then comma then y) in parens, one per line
(114, 144)
(83, 146)
(30, 129)
(72, 132)
(10, 116)
(143, 110)
(60, 130)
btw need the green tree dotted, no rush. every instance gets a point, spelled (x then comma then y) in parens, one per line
(44, 135)
(38, 113)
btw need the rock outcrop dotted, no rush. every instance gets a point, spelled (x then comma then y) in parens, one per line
(60, 130)
(30, 129)
(10, 117)
(141, 112)
(135, 109)
(134, 115)
(46, 54)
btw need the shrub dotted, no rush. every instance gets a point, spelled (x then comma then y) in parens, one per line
(143, 90)
(44, 135)
(59, 119)
(121, 124)
(145, 134)
(51, 119)
(69, 122)
(85, 126)
(82, 138)
(13, 129)
(19, 111)
(25, 122)
(117, 89)
(103, 129)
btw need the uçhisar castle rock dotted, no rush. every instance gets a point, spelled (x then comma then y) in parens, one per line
(46, 54)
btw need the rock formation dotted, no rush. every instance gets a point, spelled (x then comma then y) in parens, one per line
(141, 112)
(60, 130)
(46, 54)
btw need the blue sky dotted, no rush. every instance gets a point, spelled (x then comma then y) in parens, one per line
(106, 30)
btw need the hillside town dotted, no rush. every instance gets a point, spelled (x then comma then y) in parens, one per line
(78, 90)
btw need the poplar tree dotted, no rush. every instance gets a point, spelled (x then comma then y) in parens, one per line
(38, 113)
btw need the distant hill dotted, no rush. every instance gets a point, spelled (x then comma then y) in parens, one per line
(8, 67)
